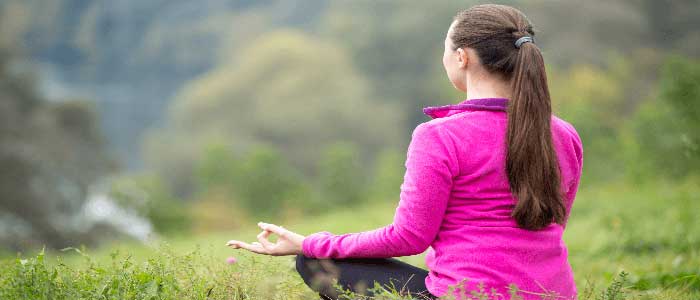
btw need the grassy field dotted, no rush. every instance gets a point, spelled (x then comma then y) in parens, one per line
(625, 240)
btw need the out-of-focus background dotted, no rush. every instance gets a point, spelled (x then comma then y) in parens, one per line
(135, 120)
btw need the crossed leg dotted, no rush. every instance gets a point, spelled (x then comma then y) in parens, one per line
(359, 274)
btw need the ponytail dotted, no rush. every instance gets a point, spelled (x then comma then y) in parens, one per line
(531, 163)
(503, 38)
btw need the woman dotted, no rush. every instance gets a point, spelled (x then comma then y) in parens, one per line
(488, 187)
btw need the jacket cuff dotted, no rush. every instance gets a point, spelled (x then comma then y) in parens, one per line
(307, 245)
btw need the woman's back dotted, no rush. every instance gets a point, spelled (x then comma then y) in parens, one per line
(455, 202)
(478, 239)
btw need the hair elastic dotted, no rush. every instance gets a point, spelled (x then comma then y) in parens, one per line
(523, 40)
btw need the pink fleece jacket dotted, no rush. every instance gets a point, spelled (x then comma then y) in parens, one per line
(455, 202)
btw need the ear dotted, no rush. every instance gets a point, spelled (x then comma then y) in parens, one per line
(462, 58)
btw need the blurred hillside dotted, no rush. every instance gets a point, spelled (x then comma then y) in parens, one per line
(191, 112)
(132, 57)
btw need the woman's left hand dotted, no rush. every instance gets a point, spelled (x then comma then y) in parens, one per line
(288, 243)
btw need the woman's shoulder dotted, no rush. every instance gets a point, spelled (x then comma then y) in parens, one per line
(567, 128)
(467, 118)
(559, 121)
(568, 139)
(464, 128)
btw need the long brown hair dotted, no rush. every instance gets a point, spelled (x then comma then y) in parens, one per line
(531, 163)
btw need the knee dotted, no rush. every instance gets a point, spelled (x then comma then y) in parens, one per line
(312, 274)
(310, 267)
(301, 264)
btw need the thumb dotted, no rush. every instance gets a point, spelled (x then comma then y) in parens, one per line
(279, 230)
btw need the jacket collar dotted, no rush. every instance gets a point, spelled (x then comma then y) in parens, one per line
(493, 104)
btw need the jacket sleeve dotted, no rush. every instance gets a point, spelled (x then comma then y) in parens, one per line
(573, 188)
(431, 165)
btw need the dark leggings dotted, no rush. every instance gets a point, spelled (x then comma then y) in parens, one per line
(359, 274)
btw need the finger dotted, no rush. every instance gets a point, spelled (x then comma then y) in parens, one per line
(250, 247)
(262, 238)
(282, 232)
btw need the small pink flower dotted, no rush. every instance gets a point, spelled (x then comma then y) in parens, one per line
(231, 260)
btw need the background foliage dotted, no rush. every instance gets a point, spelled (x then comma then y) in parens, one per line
(128, 121)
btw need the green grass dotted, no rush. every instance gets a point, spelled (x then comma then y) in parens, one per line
(625, 241)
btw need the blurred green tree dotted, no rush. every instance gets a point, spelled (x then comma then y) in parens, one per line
(218, 168)
(341, 180)
(50, 155)
(387, 175)
(666, 129)
(591, 98)
(266, 182)
(151, 199)
(280, 91)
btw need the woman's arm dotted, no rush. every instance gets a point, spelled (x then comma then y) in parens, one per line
(431, 164)
(573, 189)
